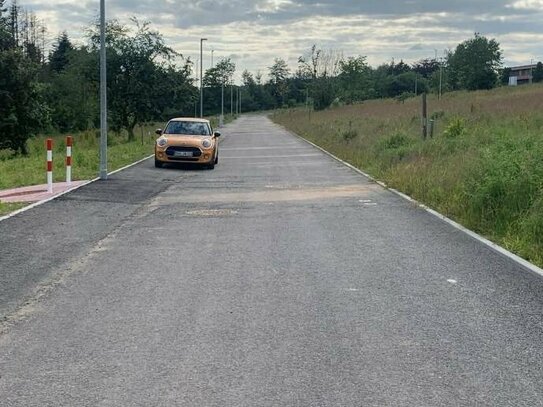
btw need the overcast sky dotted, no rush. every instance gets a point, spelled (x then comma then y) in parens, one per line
(253, 33)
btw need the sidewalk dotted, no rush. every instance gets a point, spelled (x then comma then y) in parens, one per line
(36, 193)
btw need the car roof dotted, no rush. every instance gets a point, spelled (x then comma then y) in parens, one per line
(189, 119)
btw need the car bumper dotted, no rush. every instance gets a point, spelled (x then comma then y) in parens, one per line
(206, 157)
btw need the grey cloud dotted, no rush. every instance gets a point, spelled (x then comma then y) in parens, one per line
(381, 29)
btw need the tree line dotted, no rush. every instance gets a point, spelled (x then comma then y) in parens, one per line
(58, 89)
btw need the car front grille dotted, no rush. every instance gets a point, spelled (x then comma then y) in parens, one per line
(170, 151)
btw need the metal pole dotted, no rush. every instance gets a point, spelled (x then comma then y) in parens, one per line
(531, 71)
(212, 51)
(440, 78)
(103, 93)
(202, 77)
(221, 121)
(239, 98)
(231, 100)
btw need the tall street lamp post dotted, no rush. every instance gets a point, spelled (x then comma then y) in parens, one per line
(221, 119)
(440, 79)
(202, 77)
(231, 100)
(103, 93)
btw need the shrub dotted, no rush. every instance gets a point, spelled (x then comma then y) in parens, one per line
(395, 141)
(349, 135)
(437, 115)
(456, 128)
(401, 98)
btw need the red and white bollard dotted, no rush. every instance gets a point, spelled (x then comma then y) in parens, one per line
(69, 144)
(49, 144)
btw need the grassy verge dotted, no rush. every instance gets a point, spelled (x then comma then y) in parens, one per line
(6, 208)
(483, 167)
(30, 170)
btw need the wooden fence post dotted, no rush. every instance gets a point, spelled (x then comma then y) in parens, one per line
(424, 117)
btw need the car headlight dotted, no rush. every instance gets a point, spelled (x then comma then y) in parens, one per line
(207, 143)
(161, 142)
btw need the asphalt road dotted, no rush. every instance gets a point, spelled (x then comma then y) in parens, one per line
(281, 278)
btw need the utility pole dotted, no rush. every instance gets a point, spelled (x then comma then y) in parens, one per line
(103, 93)
(231, 100)
(440, 78)
(221, 119)
(212, 51)
(239, 99)
(202, 77)
(531, 71)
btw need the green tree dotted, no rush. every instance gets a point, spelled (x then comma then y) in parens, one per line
(6, 39)
(279, 74)
(72, 93)
(135, 63)
(214, 79)
(504, 76)
(355, 79)
(22, 107)
(475, 64)
(538, 72)
(58, 58)
(426, 67)
(221, 73)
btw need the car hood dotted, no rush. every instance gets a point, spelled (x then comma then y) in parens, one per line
(184, 140)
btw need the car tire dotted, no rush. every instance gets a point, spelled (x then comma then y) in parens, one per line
(217, 159)
(211, 166)
(158, 164)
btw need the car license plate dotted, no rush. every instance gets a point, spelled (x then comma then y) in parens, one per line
(182, 153)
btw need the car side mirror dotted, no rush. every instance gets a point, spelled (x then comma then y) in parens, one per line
(159, 132)
(217, 134)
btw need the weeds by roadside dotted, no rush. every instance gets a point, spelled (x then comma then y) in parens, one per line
(6, 208)
(483, 168)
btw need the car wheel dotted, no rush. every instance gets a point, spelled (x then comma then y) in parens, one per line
(217, 159)
(158, 164)
(211, 166)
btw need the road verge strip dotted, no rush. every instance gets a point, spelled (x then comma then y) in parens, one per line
(495, 247)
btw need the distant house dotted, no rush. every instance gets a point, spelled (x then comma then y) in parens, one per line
(521, 75)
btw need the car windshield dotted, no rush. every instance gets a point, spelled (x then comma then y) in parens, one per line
(188, 128)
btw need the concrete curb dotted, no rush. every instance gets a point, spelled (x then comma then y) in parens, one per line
(495, 247)
(31, 206)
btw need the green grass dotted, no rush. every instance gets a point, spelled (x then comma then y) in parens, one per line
(483, 168)
(6, 208)
(17, 171)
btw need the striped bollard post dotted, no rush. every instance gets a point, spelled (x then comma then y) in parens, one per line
(49, 144)
(69, 144)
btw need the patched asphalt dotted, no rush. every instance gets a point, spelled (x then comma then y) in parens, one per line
(281, 278)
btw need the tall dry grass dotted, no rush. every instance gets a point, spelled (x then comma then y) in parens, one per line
(483, 167)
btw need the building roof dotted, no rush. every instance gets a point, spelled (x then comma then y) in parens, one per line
(521, 67)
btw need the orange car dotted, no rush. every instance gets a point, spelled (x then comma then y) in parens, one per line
(187, 140)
